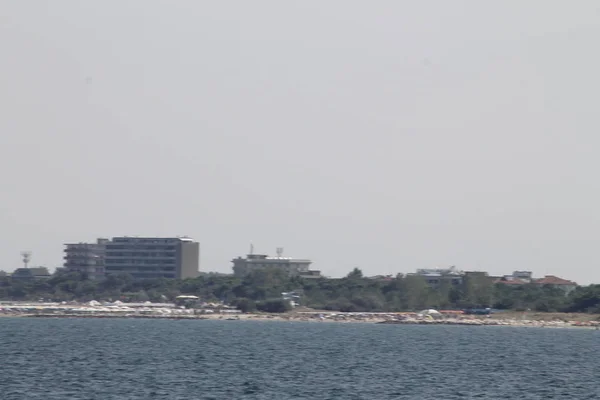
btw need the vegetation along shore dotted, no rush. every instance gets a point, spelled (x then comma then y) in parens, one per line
(262, 290)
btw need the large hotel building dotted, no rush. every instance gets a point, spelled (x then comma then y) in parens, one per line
(141, 257)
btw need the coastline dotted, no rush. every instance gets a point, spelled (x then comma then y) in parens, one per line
(383, 319)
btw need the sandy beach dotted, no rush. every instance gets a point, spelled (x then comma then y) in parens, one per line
(515, 319)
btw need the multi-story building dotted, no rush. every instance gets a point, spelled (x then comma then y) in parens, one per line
(523, 275)
(436, 276)
(145, 257)
(253, 262)
(87, 258)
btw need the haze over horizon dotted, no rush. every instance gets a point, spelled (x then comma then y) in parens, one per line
(388, 136)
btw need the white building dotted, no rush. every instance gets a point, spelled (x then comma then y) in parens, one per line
(253, 262)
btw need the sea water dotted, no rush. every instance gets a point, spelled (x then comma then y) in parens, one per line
(109, 359)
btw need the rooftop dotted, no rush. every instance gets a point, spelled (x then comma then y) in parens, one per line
(33, 272)
(151, 239)
(264, 257)
(553, 280)
(513, 281)
(439, 271)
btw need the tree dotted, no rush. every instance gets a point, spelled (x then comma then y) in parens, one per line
(414, 293)
(244, 305)
(585, 299)
(477, 289)
(355, 274)
(351, 293)
(274, 306)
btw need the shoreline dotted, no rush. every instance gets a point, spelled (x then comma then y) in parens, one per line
(334, 318)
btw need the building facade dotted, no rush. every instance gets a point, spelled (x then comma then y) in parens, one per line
(292, 266)
(87, 258)
(556, 282)
(144, 257)
(141, 257)
(438, 276)
(525, 276)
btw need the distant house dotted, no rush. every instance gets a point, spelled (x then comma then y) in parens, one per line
(291, 266)
(523, 275)
(516, 278)
(31, 273)
(511, 281)
(311, 274)
(477, 275)
(436, 276)
(556, 282)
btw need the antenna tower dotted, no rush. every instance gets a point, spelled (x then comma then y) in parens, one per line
(251, 248)
(26, 255)
(279, 251)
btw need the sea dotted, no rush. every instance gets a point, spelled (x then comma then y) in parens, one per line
(118, 359)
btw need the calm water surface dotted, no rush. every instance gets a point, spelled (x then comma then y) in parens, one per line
(108, 359)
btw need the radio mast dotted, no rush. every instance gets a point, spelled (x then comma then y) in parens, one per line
(26, 256)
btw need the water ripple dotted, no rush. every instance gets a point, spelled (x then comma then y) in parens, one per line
(106, 359)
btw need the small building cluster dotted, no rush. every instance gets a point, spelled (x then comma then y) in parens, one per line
(155, 257)
(453, 276)
(179, 258)
(525, 277)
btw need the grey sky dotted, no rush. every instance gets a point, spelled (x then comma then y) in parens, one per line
(389, 135)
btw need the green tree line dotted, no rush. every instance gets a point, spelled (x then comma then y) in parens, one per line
(262, 290)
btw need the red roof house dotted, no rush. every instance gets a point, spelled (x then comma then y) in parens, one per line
(556, 282)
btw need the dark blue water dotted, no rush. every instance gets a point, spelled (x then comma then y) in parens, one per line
(147, 359)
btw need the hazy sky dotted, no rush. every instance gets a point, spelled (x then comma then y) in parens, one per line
(388, 135)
